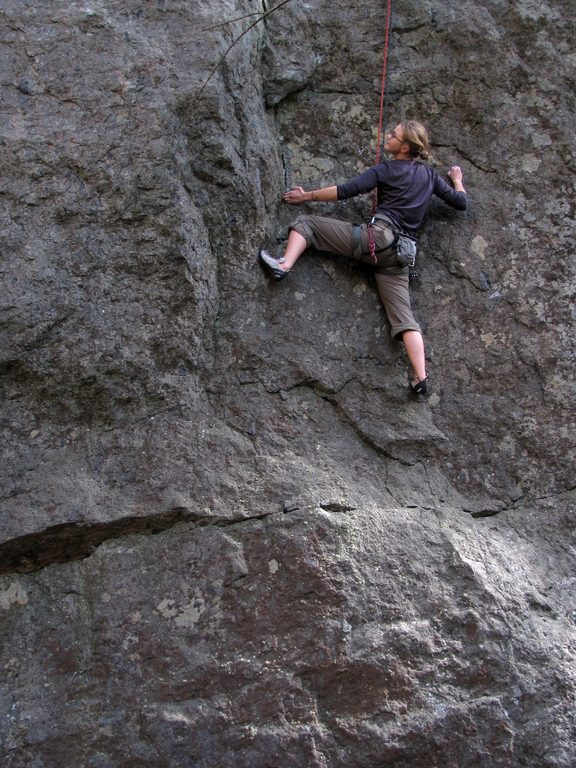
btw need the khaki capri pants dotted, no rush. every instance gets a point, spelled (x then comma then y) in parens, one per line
(335, 236)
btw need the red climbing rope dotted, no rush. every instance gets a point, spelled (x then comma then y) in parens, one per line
(383, 87)
(371, 243)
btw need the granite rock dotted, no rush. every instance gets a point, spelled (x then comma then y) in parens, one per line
(228, 537)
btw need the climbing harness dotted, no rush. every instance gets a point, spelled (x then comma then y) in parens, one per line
(403, 248)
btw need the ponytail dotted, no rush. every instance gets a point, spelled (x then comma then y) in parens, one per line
(416, 136)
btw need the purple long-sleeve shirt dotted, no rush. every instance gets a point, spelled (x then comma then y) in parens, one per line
(404, 190)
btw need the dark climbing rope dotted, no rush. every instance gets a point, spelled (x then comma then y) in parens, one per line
(236, 40)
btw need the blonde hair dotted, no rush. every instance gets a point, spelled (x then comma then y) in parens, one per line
(416, 136)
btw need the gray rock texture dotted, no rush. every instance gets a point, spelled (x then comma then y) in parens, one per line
(228, 538)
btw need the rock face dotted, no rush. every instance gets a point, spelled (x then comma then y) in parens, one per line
(227, 536)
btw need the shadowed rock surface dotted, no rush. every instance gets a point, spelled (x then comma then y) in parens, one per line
(227, 536)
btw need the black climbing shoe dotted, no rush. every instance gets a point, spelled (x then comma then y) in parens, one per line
(420, 388)
(271, 265)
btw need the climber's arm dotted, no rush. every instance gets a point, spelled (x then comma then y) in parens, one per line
(324, 195)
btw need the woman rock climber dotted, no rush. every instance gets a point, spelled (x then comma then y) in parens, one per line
(404, 187)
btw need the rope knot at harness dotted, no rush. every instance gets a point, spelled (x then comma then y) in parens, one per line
(372, 243)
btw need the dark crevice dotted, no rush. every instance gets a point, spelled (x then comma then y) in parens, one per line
(489, 512)
(473, 161)
(76, 541)
(523, 503)
(329, 396)
(460, 275)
